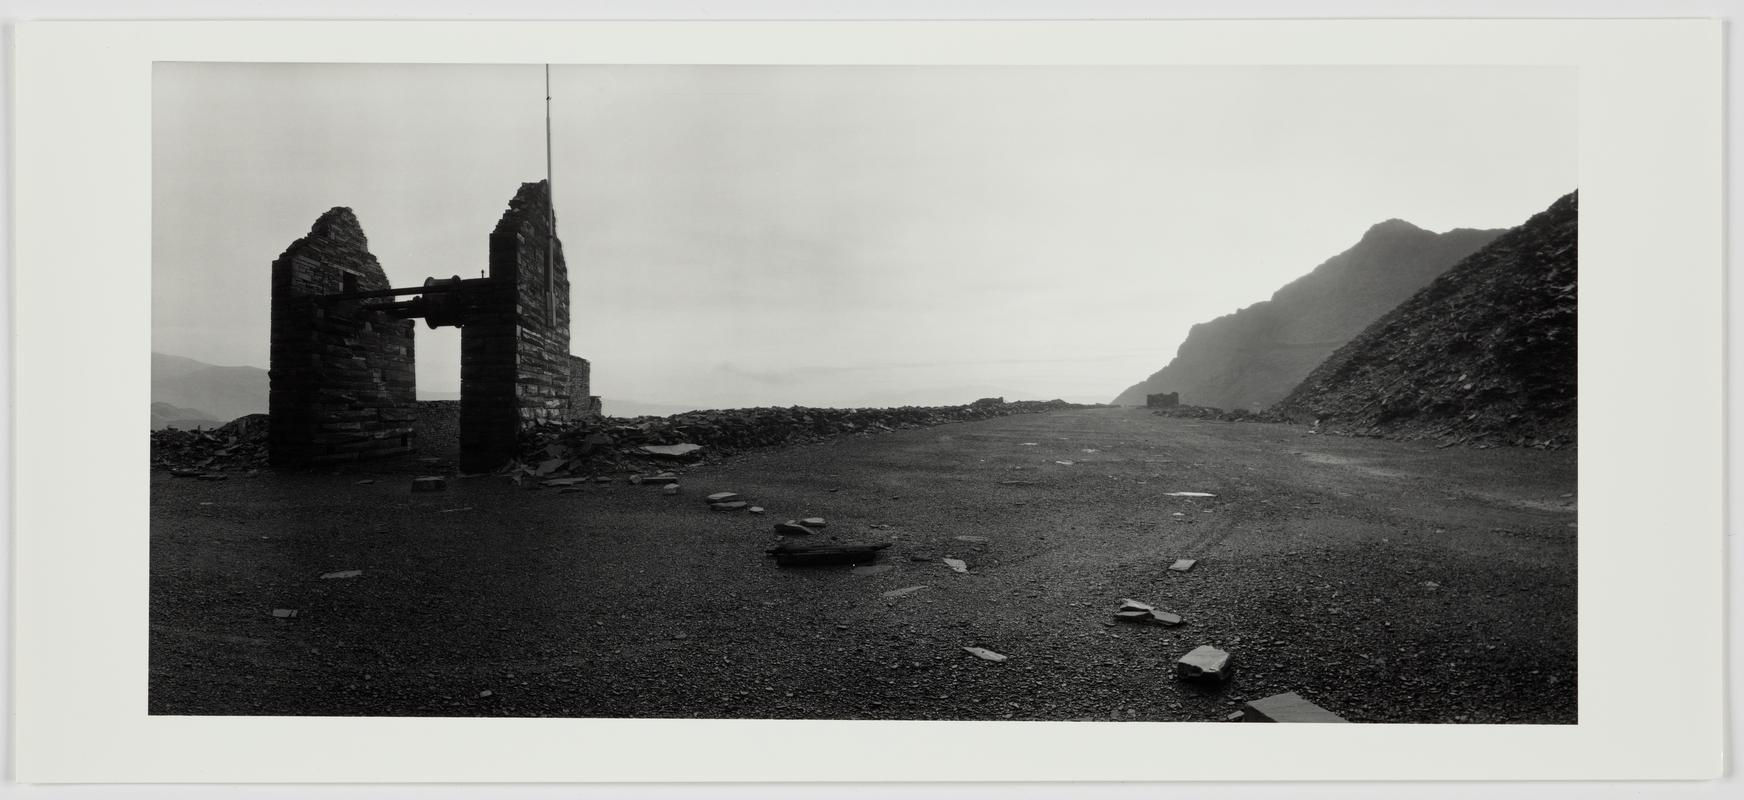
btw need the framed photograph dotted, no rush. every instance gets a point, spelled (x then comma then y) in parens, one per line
(859, 401)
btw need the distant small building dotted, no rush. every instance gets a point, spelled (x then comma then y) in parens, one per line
(1169, 400)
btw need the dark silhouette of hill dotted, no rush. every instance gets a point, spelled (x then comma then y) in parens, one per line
(1485, 353)
(1252, 358)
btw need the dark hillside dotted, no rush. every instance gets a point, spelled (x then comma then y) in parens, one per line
(1484, 353)
(1252, 358)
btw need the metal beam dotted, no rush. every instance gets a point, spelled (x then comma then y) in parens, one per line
(438, 288)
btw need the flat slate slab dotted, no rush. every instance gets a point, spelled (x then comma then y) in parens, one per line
(671, 450)
(1286, 707)
(1204, 663)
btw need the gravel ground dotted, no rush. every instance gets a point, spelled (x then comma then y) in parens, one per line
(1386, 581)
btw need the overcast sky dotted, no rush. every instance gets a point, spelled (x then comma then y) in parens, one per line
(839, 235)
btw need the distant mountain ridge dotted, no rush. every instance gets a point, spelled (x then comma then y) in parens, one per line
(1253, 357)
(164, 415)
(220, 393)
(1484, 353)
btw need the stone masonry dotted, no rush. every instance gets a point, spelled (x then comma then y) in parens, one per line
(1163, 400)
(582, 404)
(341, 380)
(515, 367)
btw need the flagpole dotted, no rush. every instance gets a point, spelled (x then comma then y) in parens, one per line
(551, 215)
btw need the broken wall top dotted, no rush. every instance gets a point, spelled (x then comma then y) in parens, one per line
(336, 241)
(529, 212)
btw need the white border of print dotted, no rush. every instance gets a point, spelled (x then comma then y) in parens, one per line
(1650, 151)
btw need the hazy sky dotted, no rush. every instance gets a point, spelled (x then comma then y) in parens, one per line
(839, 235)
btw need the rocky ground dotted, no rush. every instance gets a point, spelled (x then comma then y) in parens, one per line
(1386, 581)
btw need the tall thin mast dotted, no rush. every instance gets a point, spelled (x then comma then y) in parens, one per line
(551, 215)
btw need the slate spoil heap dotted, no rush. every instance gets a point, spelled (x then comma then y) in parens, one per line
(609, 444)
(605, 444)
(235, 445)
(1483, 355)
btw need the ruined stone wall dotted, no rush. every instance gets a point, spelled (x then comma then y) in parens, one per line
(1163, 400)
(515, 363)
(341, 378)
(582, 403)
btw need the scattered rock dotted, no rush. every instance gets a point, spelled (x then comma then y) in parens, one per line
(1184, 564)
(791, 528)
(755, 509)
(1189, 494)
(1145, 614)
(734, 505)
(722, 497)
(486, 693)
(1150, 617)
(284, 613)
(904, 591)
(670, 488)
(1287, 707)
(344, 573)
(364, 482)
(669, 450)
(623, 443)
(1065, 463)
(815, 523)
(795, 553)
(985, 654)
(1204, 663)
(957, 565)
(212, 476)
(429, 483)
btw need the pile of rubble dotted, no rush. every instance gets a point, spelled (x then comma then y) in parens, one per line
(1207, 412)
(606, 444)
(239, 444)
(629, 445)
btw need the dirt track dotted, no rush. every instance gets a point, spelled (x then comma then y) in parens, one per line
(1388, 582)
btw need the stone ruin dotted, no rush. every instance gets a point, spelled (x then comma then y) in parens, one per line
(1169, 400)
(342, 383)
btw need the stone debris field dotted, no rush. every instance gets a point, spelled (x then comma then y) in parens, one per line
(990, 561)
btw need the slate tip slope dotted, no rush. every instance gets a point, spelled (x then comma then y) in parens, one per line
(1484, 353)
